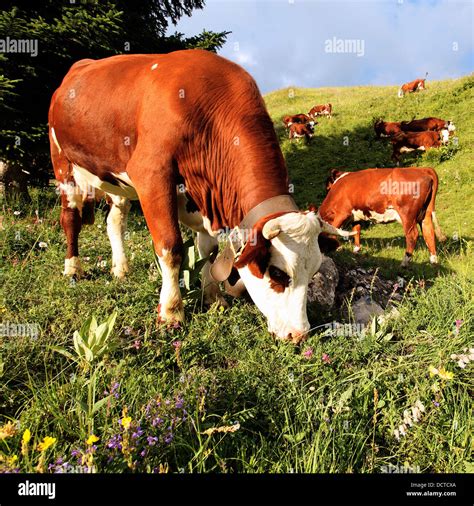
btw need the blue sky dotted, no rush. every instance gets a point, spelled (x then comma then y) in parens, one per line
(308, 42)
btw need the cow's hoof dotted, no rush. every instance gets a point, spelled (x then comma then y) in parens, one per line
(217, 300)
(171, 318)
(356, 249)
(73, 268)
(433, 259)
(119, 271)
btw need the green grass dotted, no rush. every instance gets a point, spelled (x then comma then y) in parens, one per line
(281, 408)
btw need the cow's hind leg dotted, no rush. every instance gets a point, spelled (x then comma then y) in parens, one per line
(411, 236)
(427, 229)
(71, 222)
(116, 226)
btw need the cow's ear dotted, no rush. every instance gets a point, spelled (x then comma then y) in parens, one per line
(255, 255)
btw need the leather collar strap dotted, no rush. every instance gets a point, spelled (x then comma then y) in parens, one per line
(237, 239)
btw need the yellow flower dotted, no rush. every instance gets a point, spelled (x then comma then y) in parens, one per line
(92, 439)
(126, 421)
(8, 430)
(444, 374)
(26, 436)
(46, 443)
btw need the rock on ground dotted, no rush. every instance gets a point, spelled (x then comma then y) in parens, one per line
(322, 288)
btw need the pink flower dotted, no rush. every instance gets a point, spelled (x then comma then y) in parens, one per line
(326, 358)
(308, 353)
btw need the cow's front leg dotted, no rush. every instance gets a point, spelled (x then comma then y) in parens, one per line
(156, 189)
(116, 226)
(208, 245)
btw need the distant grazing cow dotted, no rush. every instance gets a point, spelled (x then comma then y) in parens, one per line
(411, 141)
(297, 118)
(421, 125)
(297, 131)
(386, 128)
(321, 110)
(384, 196)
(416, 85)
(105, 136)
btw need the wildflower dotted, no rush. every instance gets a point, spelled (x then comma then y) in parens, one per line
(401, 429)
(92, 439)
(457, 325)
(444, 374)
(229, 428)
(179, 403)
(17, 213)
(326, 358)
(177, 345)
(43, 245)
(407, 418)
(46, 443)
(152, 440)
(137, 344)
(137, 433)
(396, 433)
(308, 353)
(420, 406)
(7, 430)
(157, 421)
(125, 422)
(169, 438)
(436, 404)
(26, 436)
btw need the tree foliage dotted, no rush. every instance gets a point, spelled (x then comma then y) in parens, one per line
(67, 31)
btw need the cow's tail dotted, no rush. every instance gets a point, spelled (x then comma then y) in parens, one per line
(400, 92)
(431, 207)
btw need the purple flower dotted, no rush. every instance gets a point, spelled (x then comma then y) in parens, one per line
(179, 403)
(152, 440)
(137, 433)
(115, 442)
(114, 390)
(136, 344)
(156, 421)
(76, 453)
(143, 453)
(436, 404)
(169, 438)
(326, 358)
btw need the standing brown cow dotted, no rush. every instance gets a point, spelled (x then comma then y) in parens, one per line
(384, 196)
(214, 163)
(411, 87)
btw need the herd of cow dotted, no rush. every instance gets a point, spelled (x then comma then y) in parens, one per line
(215, 165)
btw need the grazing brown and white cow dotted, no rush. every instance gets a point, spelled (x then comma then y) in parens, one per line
(424, 124)
(410, 141)
(321, 110)
(148, 126)
(384, 196)
(302, 119)
(298, 131)
(386, 128)
(411, 87)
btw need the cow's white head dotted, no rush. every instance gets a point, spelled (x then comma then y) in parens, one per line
(444, 134)
(276, 266)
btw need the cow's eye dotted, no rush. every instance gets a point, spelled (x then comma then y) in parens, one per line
(278, 275)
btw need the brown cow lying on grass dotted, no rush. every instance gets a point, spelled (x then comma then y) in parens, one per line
(384, 196)
(411, 141)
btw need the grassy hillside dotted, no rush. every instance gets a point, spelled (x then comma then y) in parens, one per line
(347, 142)
(220, 394)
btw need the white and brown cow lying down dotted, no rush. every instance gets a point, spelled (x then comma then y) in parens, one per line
(411, 87)
(384, 196)
(425, 124)
(405, 142)
(391, 128)
(321, 110)
(218, 143)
